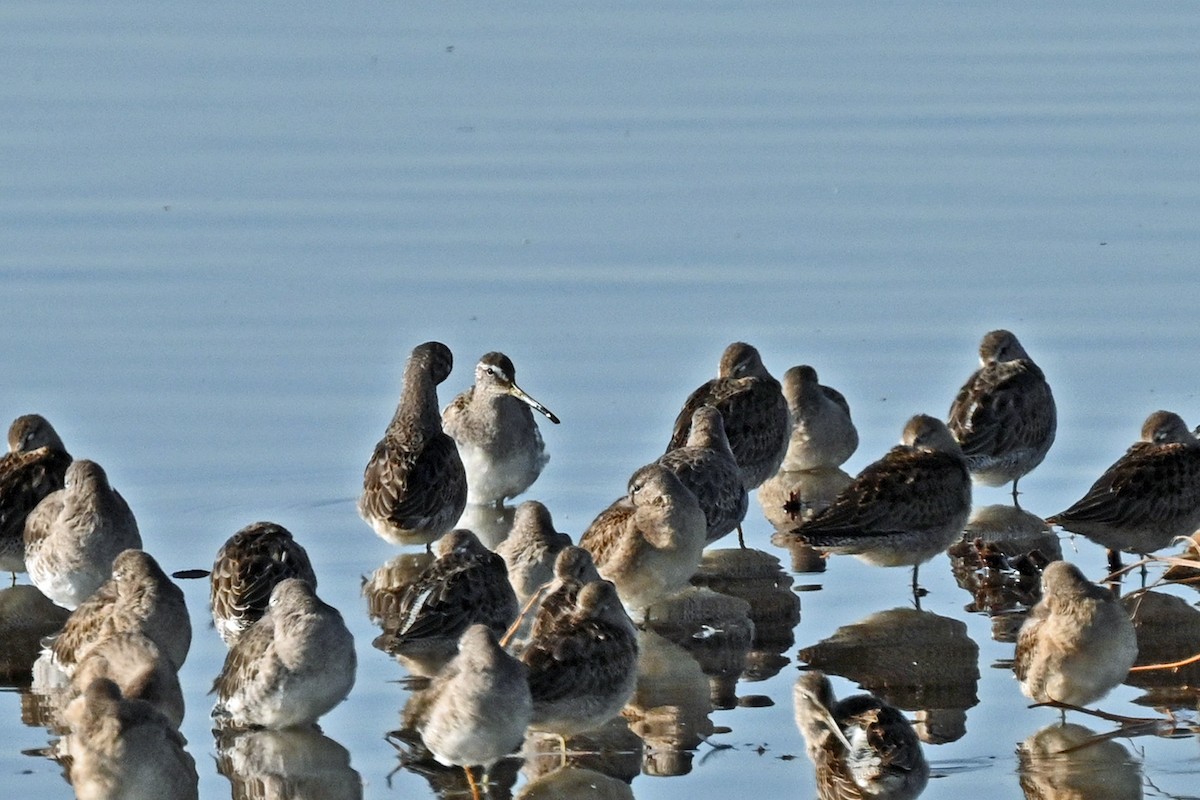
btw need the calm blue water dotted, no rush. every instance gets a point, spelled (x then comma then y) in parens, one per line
(222, 228)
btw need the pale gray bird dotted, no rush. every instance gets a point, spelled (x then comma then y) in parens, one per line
(1077, 643)
(414, 486)
(139, 668)
(292, 666)
(822, 435)
(499, 441)
(530, 549)
(73, 535)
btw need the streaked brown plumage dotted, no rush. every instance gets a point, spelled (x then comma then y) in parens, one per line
(904, 508)
(34, 466)
(245, 571)
(706, 466)
(752, 407)
(414, 486)
(1148, 497)
(862, 748)
(1004, 416)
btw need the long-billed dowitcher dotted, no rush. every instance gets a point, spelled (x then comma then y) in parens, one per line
(861, 746)
(293, 665)
(477, 708)
(73, 535)
(467, 584)
(34, 466)
(903, 509)
(125, 748)
(705, 465)
(650, 542)
(823, 434)
(500, 444)
(753, 409)
(1077, 643)
(582, 663)
(1004, 416)
(414, 486)
(1148, 497)
(245, 571)
(139, 598)
(531, 548)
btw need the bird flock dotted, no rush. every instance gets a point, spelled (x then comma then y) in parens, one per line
(535, 632)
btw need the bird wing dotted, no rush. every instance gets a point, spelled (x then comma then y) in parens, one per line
(388, 473)
(1003, 408)
(572, 657)
(1150, 483)
(25, 478)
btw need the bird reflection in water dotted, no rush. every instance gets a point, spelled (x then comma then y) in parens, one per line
(1070, 762)
(1168, 632)
(289, 764)
(574, 783)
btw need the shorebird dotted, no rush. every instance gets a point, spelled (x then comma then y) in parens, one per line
(861, 746)
(467, 584)
(531, 548)
(139, 668)
(903, 509)
(650, 542)
(500, 444)
(477, 708)
(245, 571)
(706, 466)
(1004, 416)
(414, 486)
(125, 748)
(34, 466)
(139, 598)
(582, 663)
(1150, 496)
(753, 409)
(73, 535)
(293, 665)
(822, 433)
(1077, 643)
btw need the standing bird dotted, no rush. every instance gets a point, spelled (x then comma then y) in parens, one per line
(823, 436)
(245, 571)
(34, 466)
(582, 663)
(903, 509)
(648, 543)
(467, 584)
(1077, 643)
(1148, 497)
(753, 409)
(414, 486)
(293, 665)
(1004, 416)
(73, 535)
(862, 748)
(531, 548)
(705, 465)
(477, 708)
(500, 444)
(139, 598)
(125, 748)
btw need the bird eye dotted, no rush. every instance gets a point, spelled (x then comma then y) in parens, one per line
(490, 370)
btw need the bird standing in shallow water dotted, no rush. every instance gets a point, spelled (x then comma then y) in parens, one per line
(861, 746)
(74, 534)
(499, 442)
(477, 708)
(530, 549)
(34, 466)
(753, 409)
(1150, 496)
(1077, 643)
(293, 665)
(705, 465)
(903, 509)
(414, 486)
(822, 434)
(1004, 416)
